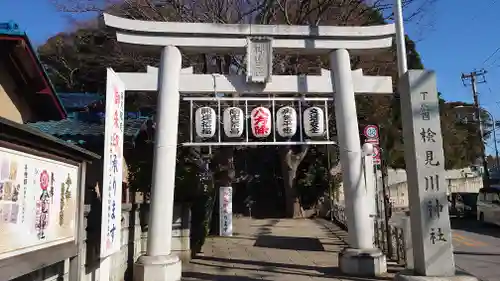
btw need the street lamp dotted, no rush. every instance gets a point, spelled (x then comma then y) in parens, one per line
(482, 137)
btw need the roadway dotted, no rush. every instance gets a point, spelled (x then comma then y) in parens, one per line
(477, 248)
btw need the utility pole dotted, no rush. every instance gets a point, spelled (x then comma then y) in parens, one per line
(473, 78)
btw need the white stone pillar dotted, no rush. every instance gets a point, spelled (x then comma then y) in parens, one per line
(361, 258)
(350, 147)
(158, 263)
(164, 162)
(432, 240)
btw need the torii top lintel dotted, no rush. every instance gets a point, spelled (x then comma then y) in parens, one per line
(199, 37)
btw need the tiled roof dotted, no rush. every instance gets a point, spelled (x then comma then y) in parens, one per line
(71, 128)
(78, 100)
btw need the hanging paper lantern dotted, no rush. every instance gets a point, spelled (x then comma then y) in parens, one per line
(233, 122)
(314, 122)
(286, 121)
(261, 122)
(204, 119)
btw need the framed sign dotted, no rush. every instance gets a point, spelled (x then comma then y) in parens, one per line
(38, 204)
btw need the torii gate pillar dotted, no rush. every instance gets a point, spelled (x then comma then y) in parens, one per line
(361, 258)
(159, 264)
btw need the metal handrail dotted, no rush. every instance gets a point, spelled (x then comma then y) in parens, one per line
(397, 232)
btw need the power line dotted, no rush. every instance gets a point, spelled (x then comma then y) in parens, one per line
(491, 56)
(475, 16)
(489, 88)
(492, 2)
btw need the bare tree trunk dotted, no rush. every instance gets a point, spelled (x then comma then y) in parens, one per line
(224, 166)
(225, 156)
(290, 161)
(292, 201)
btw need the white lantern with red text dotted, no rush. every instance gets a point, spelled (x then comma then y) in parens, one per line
(261, 122)
(314, 122)
(233, 119)
(205, 119)
(286, 121)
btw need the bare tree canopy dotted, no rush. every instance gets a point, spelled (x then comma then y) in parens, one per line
(312, 12)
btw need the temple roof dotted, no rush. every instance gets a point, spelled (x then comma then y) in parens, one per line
(78, 130)
(77, 101)
(28, 73)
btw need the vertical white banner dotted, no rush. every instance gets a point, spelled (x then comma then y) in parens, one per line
(226, 211)
(112, 165)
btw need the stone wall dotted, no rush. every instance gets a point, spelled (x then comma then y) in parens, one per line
(180, 231)
(55, 272)
(133, 241)
(131, 247)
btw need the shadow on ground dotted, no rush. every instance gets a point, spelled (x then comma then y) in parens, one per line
(192, 276)
(474, 226)
(289, 243)
(243, 260)
(340, 233)
(475, 253)
(267, 269)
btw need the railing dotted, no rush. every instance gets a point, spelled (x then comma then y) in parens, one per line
(339, 215)
(395, 252)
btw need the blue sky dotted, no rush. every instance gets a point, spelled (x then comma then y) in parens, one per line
(462, 36)
(39, 18)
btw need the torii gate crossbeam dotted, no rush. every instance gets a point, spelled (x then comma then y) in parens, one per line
(236, 84)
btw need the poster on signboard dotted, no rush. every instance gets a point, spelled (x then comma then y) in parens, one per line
(37, 202)
(112, 165)
(226, 211)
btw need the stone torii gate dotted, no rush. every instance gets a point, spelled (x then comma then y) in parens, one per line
(361, 258)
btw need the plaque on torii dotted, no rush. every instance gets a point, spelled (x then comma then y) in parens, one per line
(259, 59)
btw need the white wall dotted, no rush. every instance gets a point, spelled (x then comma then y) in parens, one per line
(399, 175)
(459, 180)
(399, 191)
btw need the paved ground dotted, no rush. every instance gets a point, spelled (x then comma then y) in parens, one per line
(272, 249)
(477, 248)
